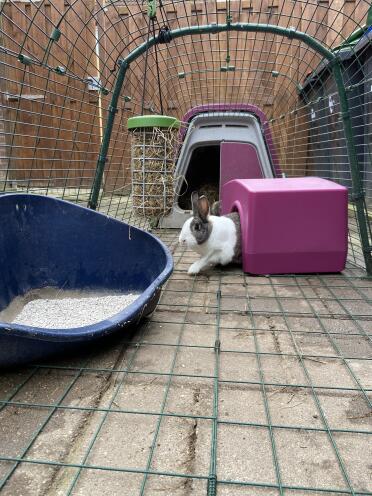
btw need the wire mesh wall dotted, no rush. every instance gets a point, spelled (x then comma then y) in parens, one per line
(60, 63)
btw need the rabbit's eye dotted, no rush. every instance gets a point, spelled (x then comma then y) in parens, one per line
(197, 227)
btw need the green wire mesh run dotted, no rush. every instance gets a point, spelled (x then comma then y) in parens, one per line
(237, 385)
(60, 63)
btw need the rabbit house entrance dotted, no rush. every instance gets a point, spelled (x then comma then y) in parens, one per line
(216, 147)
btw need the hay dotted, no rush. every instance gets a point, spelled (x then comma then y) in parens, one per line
(153, 161)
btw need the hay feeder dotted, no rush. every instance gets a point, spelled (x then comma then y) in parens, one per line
(153, 157)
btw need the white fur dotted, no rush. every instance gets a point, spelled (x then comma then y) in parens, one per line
(219, 247)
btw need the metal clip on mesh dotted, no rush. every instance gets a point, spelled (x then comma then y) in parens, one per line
(164, 35)
(25, 59)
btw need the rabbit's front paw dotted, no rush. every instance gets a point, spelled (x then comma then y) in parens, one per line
(194, 269)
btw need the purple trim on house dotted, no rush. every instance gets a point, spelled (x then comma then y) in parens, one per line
(238, 107)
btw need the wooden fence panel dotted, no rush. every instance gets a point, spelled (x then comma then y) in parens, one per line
(51, 120)
(54, 123)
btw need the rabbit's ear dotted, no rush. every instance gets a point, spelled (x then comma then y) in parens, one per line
(195, 202)
(203, 208)
(216, 209)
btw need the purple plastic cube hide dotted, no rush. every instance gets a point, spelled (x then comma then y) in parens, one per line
(292, 225)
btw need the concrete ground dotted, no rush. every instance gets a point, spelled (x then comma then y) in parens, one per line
(263, 382)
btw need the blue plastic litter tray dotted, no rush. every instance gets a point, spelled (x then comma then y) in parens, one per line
(45, 242)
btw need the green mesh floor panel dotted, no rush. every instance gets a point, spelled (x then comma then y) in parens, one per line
(235, 385)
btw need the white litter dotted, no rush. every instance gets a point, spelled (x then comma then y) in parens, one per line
(76, 311)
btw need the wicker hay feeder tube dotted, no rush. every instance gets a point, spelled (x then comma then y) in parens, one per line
(153, 158)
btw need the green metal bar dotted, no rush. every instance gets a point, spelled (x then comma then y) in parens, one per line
(85, 466)
(136, 344)
(274, 452)
(311, 490)
(270, 297)
(166, 394)
(112, 110)
(177, 33)
(21, 404)
(291, 283)
(180, 307)
(212, 479)
(241, 26)
(204, 376)
(175, 474)
(357, 187)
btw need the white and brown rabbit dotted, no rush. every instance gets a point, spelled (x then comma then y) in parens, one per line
(216, 239)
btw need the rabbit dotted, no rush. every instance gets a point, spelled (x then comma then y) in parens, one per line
(216, 239)
(210, 190)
